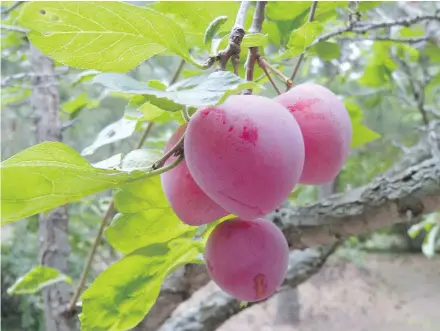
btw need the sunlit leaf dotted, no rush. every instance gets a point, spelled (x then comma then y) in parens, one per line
(213, 28)
(145, 217)
(122, 295)
(361, 134)
(106, 36)
(36, 279)
(326, 50)
(48, 175)
(74, 106)
(301, 38)
(428, 247)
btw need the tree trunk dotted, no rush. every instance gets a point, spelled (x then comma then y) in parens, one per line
(54, 241)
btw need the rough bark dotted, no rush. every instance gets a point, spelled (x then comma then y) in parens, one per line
(54, 243)
(384, 202)
(217, 307)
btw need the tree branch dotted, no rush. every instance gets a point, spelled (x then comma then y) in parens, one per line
(12, 7)
(237, 34)
(218, 307)
(13, 28)
(253, 54)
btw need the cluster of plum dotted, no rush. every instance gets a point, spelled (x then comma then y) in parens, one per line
(244, 157)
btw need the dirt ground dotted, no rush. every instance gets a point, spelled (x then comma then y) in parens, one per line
(383, 292)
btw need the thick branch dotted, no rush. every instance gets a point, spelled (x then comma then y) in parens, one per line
(381, 204)
(217, 307)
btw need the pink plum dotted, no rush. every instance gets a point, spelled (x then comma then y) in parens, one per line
(246, 154)
(247, 259)
(186, 198)
(326, 128)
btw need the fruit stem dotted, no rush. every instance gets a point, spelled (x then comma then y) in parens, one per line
(263, 67)
(185, 114)
(176, 148)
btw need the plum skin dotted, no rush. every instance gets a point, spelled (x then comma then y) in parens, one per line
(187, 200)
(247, 258)
(247, 154)
(326, 128)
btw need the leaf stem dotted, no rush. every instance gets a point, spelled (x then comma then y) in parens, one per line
(108, 214)
(286, 80)
(161, 162)
(301, 56)
(89, 260)
(178, 72)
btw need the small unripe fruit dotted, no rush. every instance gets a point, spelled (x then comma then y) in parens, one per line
(186, 198)
(246, 154)
(326, 128)
(247, 259)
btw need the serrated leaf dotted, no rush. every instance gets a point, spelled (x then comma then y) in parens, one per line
(48, 175)
(122, 295)
(36, 279)
(113, 132)
(213, 28)
(106, 36)
(146, 217)
(326, 50)
(212, 90)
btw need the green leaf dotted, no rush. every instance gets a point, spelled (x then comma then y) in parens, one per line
(212, 90)
(213, 28)
(13, 94)
(286, 11)
(364, 6)
(157, 84)
(146, 217)
(74, 106)
(84, 76)
(254, 40)
(361, 134)
(433, 52)
(113, 132)
(140, 109)
(326, 50)
(36, 279)
(48, 175)
(302, 38)
(413, 31)
(426, 225)
(106, 36)
(122, 295)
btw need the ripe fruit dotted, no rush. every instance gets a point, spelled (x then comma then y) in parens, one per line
(246, 154)
(326, 128)
(188, 201)
(247, 259)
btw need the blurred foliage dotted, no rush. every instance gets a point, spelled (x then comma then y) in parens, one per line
(374, 78)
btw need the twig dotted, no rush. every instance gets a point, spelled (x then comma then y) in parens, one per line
(108, 214)
(301, 56)
(413, 40)
(263, 67)
(12, 7)
(177, 73)
(253, 54)
(176, 148)
(286, 80)
(237, 34)
(13, 28)
(76, 295)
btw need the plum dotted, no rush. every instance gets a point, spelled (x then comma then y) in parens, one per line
(247, 258)
(246, 154)
(326, 128)
(186, 198)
